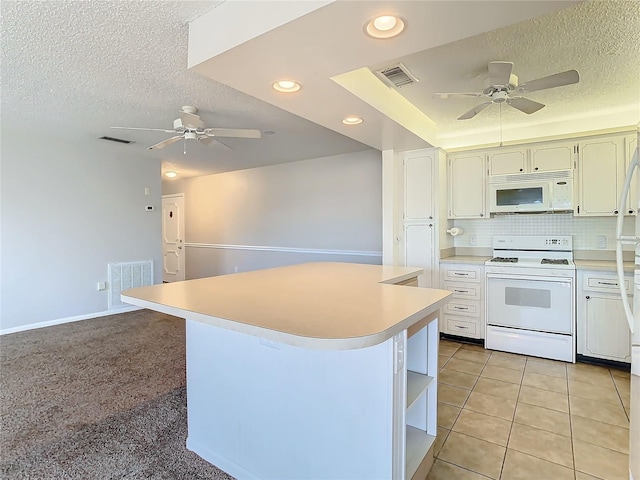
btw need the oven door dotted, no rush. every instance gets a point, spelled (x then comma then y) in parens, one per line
(530, 302)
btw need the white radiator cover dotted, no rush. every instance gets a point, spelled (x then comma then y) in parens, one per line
(125, 275)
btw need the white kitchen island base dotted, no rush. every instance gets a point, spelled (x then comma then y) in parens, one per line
(354, 400)
(260, 409)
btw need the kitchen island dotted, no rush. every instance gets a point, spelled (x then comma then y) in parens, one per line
(319, 370)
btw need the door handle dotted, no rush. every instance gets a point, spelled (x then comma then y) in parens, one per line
(179, 242)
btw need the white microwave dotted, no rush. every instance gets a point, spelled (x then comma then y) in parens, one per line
(531, 192)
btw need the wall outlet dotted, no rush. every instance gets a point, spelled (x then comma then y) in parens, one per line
(601, 241)
(472, 240)
(101, 286)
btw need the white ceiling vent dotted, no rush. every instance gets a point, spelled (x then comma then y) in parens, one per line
(398, 76)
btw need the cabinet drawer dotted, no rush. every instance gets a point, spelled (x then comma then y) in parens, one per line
(461, 290)
(605, 283)
(460, 327)
(463, 307)
(466, 274)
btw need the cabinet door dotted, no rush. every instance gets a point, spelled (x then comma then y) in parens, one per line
(600, 165)
(631, 143)
(607, 331)
(552, 156)
(466, 182)
(504, 162)
(419, 251)
(418, 188)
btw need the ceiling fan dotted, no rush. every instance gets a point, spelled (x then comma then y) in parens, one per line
(189, 126)
(502, 85)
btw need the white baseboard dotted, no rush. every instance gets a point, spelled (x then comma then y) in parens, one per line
(77, 318)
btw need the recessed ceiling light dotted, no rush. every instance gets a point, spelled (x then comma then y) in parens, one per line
(171, 174)
(385, 26)
(352, 120)
(286, 86)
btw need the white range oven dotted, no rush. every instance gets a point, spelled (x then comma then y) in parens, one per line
(530, 296)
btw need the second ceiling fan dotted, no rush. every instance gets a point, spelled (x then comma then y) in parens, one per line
(502, 87)
(189, 126)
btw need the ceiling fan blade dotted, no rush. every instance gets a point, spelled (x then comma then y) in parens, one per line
(205, 140)
(524, 104)
(474, 111)
(461, 94)
(147, 129)
(557, 80)
(191, 120)
(232, 132)
(500, 72)
(166, 142)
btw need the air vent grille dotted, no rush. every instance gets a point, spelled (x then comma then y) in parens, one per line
(398, 75)
(113, 139)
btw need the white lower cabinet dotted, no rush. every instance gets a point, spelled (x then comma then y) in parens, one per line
(464, 314)
(603, 331)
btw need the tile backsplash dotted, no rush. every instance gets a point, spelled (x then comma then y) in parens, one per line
(586, 231)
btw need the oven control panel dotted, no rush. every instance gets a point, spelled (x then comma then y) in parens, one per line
(557, 241)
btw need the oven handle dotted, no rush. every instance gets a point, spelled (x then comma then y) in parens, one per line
(541, 278)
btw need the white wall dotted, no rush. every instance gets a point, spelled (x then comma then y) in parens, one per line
(325, 209)
(69, 208)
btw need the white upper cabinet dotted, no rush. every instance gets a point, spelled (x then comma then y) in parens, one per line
(631, 143)
(418, 184)
(508, 161)
(601, 169)
(547, 157)
(540, 157)
(466, 185)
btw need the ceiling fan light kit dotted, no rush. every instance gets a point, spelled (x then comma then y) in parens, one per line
(502, 84)
(190, 126)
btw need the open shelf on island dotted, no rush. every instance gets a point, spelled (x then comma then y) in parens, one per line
(418, 444)
(417, 383)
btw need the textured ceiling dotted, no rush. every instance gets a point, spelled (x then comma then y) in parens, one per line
(73, 69)
(600, 39)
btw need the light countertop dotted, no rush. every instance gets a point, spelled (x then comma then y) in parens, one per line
(465, 259)
(313, 305)
(605, 265)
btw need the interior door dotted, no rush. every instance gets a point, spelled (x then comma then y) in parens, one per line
(173, 265)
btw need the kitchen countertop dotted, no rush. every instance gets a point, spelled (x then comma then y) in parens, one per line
(465, 259)
(605, 265)
(314, 305)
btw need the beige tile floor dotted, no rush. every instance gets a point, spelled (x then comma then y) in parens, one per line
(513, 417)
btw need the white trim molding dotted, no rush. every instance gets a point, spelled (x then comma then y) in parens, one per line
(262, 248)
(59, 321)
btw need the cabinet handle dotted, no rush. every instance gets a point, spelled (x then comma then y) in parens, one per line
(520, 169)
(587, 297)
(464, 328)
(430, 217)
(615, 211)
(536, 169)
(461, 308)
(461, 274)
(630, 211)
(461, 291)
(609, 283)
(482, 214)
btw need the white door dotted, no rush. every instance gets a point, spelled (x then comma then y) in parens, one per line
(173, 237)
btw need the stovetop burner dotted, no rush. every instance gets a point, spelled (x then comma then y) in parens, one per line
(504, 260)
(555, 261)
